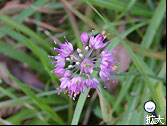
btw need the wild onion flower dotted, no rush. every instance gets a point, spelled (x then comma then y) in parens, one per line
(76, 68)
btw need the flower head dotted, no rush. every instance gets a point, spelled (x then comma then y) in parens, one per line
(76, 67)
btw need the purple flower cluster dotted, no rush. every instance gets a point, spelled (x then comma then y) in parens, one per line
(76, 68)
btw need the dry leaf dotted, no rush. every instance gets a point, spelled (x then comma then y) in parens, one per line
(5, 112)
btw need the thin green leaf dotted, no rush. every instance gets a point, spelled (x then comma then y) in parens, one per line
(20, 27)
(154, 24)
(20, 56)
(119, 6)
(79, 107)
(37, 101)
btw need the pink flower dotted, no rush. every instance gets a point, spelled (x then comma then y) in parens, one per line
(65, 49)
(98, 41)
(92, 83)
(76, 67)
(87, 66)
(76, 86)
(59, 71)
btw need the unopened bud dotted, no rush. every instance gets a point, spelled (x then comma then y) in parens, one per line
(84, 37)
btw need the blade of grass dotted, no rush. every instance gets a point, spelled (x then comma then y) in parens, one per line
(130, 5)
(70, 111)
(11, 95)
(139, 65)
(8, 93)
(134, 102)
(37, 101)
(41, 54)
(79, 107)
(24, 99)
(74, 25)
(20, 56)
(82, 17)
(20, 27)
(142, 50)
(29, 11)
(119, 6)
(138, 73)
(160, 96)
(103, 105)
(123, 91)
(150, 3)
(154, 24)
(139, 32)
(4, 122)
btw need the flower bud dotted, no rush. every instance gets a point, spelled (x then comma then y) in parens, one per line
(84, 37)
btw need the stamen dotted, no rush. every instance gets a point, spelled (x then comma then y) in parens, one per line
(106, 35)
(114, 68)
(65, 91)
(103, 32)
